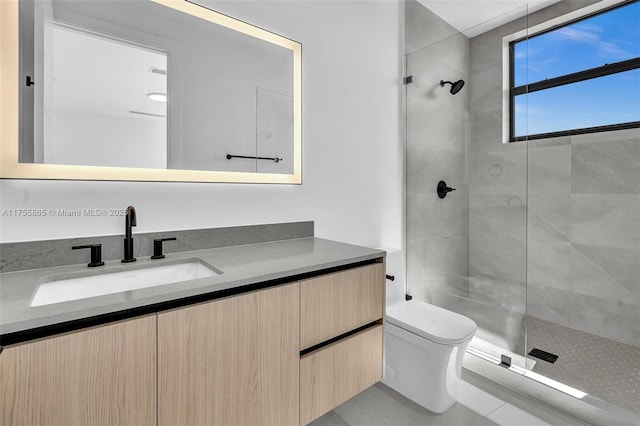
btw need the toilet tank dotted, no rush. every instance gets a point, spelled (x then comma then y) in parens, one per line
(395, 268)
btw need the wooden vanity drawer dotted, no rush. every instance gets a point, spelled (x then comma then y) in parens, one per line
(334, 304)
(99, 376)
(333, 374)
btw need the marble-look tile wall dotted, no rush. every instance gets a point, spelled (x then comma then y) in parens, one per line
(576, 244)
(437, 229)
(584, 235)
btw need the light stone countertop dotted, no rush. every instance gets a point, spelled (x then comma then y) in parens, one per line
(241, 265)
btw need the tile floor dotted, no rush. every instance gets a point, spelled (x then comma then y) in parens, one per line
(382, 406)
(603, 368)
(598, 366)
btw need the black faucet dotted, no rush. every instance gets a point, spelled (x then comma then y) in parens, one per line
(129, 221)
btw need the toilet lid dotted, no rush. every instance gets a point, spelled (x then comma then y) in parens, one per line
(431, 322)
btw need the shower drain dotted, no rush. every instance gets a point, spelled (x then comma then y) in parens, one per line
(543, 355)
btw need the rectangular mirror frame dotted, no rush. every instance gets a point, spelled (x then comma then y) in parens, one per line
(11, 168)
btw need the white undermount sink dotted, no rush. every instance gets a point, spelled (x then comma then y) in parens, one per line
(68, 287)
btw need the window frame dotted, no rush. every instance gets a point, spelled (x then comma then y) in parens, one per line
(601, 71)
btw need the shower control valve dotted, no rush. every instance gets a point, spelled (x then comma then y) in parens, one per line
(443, 189)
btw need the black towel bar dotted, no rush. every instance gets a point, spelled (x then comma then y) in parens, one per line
(276, 159)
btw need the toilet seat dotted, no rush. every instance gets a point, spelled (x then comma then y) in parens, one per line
(431, 322)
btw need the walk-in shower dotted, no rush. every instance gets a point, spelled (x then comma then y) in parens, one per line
(540, 242)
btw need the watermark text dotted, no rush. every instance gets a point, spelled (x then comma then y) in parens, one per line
(61, 212)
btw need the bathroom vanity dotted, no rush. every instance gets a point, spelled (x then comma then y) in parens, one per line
(286, 332)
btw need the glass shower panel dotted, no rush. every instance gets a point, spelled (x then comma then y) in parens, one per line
(497, 173)
(466, 252)
(583, 272)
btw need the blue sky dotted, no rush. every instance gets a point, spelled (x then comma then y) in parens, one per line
(603, 39)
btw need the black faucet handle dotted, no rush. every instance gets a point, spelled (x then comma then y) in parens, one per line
(157, 247)
(443, 189)
(96, 254)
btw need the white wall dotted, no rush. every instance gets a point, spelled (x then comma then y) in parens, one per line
(352, 149)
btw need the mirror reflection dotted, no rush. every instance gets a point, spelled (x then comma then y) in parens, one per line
(139, 84)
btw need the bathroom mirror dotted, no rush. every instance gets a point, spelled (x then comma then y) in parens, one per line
(146, 90)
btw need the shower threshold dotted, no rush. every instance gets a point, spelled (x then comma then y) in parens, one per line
(572, 401)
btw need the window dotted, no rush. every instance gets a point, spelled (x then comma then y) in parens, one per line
(581, 77)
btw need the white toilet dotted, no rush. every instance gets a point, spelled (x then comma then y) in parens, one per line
(425, 345)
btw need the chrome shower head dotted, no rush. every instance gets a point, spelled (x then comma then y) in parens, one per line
(455, 86)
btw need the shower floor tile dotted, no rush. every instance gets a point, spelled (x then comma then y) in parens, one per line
(603, 368)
